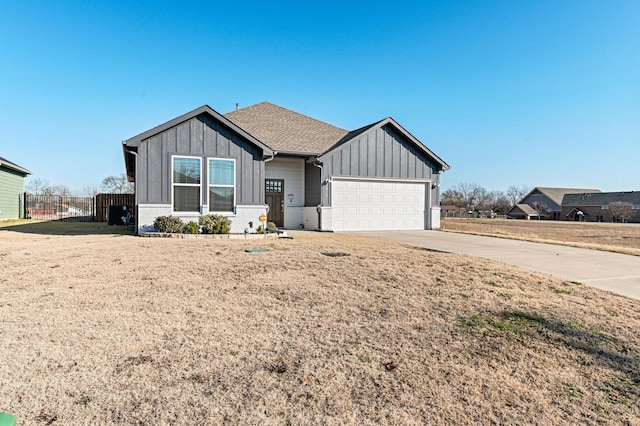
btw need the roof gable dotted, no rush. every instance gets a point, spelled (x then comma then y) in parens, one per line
(523, 208)
(13, 166)
(135, 141)
(382, 123)
(286, 131)
(557, 194)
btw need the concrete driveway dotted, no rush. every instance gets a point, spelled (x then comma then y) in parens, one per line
(619, 273)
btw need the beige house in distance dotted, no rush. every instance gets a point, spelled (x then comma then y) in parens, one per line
(549, 198)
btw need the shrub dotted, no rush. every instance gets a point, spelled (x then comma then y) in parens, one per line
(191, 228)
(214, 224)
(271, 227)
(170, 224)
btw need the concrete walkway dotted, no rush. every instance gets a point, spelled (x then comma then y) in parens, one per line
(619, 273)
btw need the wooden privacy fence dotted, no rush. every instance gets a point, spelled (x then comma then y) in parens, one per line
(103, 201)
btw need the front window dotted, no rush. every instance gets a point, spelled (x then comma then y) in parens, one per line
(222, 185)
(186, 184)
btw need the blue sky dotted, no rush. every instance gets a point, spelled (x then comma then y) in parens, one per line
(537, 93)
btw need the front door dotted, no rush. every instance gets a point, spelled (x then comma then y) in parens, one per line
(274, 196)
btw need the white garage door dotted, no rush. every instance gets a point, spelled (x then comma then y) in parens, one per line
(377, 205)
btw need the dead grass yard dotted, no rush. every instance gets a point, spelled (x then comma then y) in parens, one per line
(111, 329)
(615, 237)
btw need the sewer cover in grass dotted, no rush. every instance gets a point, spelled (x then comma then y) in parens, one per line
(335, 254)
(256, 250)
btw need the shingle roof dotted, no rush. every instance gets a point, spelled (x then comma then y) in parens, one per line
(13, 166)
(286, 131)
(289, 132)
(556, 194)
(525, 208)
(601, 199)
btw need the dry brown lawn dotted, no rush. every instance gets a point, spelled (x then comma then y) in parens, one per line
(112, 329)
(620, 238)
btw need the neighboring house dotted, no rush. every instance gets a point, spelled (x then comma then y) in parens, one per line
(522, 211)
(11, 189)
(448, 210)
(300, 172)
(548, 200)
(602, 207)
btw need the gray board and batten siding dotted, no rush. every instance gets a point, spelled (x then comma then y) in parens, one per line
(202, 136)
(382, 152)
(312, 185)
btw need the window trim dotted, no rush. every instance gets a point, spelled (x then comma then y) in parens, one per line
(210, 185)
(174, 184)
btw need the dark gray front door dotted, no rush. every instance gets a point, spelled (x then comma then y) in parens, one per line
(274, 196)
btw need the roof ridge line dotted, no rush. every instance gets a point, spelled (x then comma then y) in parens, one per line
(291, 111)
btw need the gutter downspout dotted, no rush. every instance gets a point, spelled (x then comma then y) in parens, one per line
(273, 155)
(319, 206)
(135, 187)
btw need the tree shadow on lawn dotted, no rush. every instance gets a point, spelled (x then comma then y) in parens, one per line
(62, 227)
(606, 350)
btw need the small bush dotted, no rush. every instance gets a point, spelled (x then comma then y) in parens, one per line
(271, 227)
(170, 224)
(214, 224)
(260, 230)
(191, 228)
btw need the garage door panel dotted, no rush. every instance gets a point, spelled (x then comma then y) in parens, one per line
(373, 205)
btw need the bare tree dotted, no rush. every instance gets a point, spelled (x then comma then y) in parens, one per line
(60, 189)
(500, 203)
(88, 191)
(517, 193)
(541, 208)
(117, 184)
(452, 197)
(37, 186)
(469, 196)
(621, 210)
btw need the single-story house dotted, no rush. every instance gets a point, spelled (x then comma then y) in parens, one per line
(522, 211)
(548, 201)
(299, 171)
(448, 210)
(602, 207)
(11, 189)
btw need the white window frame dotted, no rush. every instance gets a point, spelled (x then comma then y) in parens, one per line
(209, 185)
(605, 207)
(198, 185)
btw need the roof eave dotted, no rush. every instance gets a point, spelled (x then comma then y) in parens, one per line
(15, 167)
(136, 140)
(129, 161)
(443, 165)
(298, 153)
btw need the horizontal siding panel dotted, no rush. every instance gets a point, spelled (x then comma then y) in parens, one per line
(11, 191)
